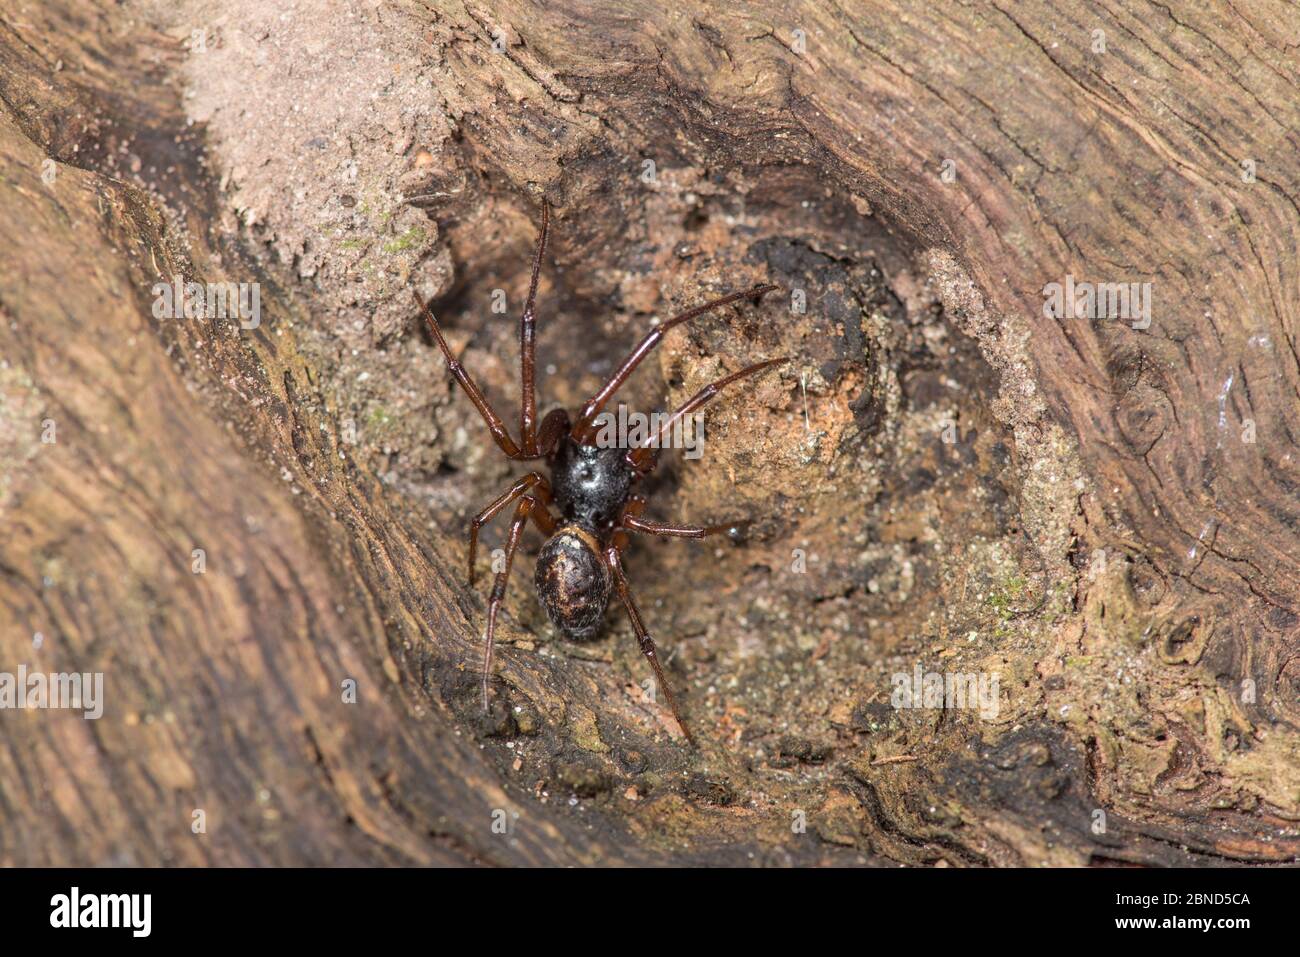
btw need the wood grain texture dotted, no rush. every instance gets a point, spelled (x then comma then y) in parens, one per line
(224, 689)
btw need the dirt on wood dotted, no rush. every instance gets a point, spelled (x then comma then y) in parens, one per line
(936, 477)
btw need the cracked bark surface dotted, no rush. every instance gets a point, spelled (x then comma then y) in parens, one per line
(1141, 482)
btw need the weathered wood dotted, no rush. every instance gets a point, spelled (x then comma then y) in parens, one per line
(1136, 487)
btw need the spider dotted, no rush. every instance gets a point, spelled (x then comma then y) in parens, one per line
(591, 486)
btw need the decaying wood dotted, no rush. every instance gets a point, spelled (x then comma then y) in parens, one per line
(1140, 481)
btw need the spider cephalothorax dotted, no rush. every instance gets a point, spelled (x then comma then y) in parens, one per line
(590, 485)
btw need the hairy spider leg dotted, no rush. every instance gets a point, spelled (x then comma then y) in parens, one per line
(585, 424)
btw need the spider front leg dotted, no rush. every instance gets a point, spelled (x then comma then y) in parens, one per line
(528, 505)
(585, 426)
(494, 422)
(527, 348)
(648, 649)
(644, 457)
(527, 362)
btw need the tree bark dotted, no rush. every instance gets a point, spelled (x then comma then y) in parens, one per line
(188, 509)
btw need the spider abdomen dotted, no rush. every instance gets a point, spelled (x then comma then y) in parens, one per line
(573, 581)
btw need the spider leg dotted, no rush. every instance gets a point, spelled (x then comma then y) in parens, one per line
(582, 429)
(485, 516)
(525, 507)
(642, 458)
(629, 522)
(527, 344)
(632, 523)
(542, 517)
(643, 637)
(494, 423)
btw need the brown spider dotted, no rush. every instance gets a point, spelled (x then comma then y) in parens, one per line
(590, 485)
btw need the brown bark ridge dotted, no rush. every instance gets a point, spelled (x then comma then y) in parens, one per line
(1105, 516)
